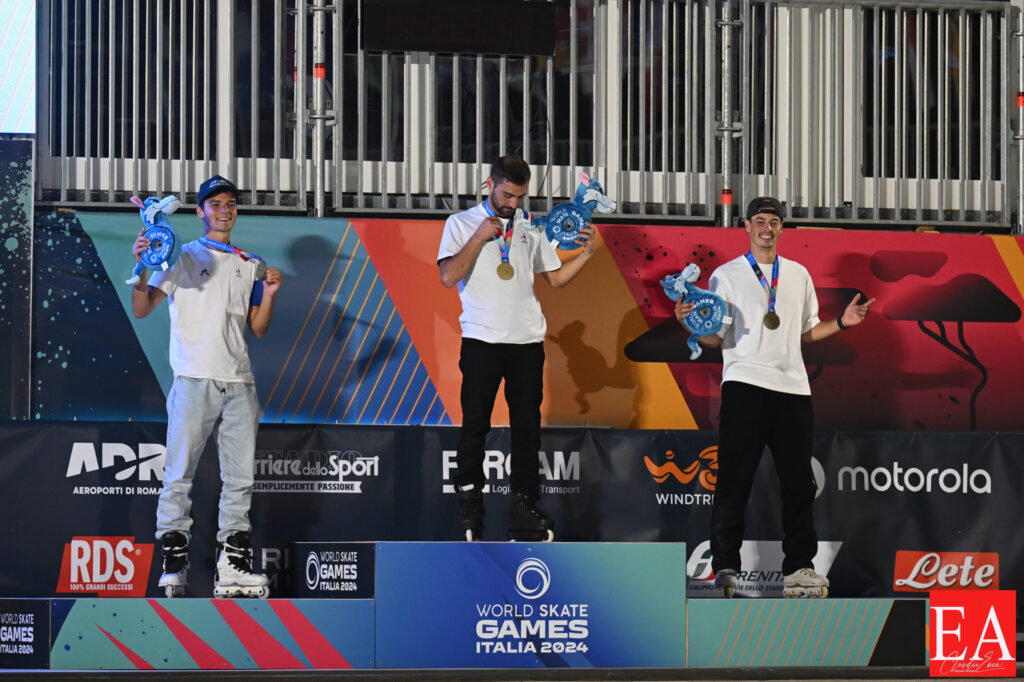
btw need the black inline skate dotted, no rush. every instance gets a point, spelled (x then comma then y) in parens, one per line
(175, 554)
(471, 512)
(527, 523)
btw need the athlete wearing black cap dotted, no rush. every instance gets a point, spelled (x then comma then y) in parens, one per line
(766, 396)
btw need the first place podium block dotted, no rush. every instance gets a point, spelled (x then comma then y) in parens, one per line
(519, 605)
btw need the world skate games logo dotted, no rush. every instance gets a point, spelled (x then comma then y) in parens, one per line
(559, 471)
(929, 571)
(116, 468)
(105, 566)
(972, 633)
(536, 588)
(313, 471)
(761, 574)
(532, 627)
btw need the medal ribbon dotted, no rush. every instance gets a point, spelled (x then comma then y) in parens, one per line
(769, 288)
(228, 248)
(256, 298)
(505, 241)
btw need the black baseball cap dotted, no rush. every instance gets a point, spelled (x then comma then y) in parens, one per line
(216, 185)
(765, 205)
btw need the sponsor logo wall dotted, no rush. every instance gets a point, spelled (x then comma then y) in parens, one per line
(895, 513)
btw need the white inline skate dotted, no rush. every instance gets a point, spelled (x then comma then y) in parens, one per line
(804, 583)
(727, 579)
(175, 555)
(234, 576)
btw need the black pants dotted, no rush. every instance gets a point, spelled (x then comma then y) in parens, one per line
(483, 367)
(752, 418)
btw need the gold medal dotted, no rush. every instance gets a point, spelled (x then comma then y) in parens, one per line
(771, 320)
(506, 271)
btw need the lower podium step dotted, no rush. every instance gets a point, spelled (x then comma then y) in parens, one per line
(223, 634)
(752, 633)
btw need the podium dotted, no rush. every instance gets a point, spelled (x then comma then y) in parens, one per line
(486, 605)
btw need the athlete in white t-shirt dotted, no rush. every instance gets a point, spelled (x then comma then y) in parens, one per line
(491, 252)
(766, 396)
(212, 293)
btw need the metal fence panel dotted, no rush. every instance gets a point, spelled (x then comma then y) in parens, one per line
(851, 112)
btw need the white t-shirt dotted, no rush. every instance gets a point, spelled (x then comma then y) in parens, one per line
(496, 310)
(752, 353)
(208, 298)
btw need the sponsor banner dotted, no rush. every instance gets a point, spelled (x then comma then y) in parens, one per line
(879, 495)
(972, 633)
(24, 633)
(337, 570)
(930, 571)
(761, 572)
(521, 605)
(105, 566)
(189, 634)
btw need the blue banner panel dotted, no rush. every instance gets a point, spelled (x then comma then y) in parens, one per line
(202, 634)
(24, 633)
(333, 570)
(530, 605)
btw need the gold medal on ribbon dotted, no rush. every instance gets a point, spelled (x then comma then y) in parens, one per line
(771, 320)
(506, 271)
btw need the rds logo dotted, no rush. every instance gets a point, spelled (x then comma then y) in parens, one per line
(105, 566)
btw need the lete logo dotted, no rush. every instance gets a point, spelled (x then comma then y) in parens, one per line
(926, 571)
(106, 566)
(972, 633)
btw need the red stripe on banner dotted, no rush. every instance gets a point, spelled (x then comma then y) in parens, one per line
(138, 661)
(319, 71)
(266, 651)
(727, 197)
(205, 656)
(316, 647)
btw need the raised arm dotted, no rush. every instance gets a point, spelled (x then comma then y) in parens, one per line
(456, 267)
(259, 315)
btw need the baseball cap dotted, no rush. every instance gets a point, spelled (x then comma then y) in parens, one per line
(765, 205)
(216, 185)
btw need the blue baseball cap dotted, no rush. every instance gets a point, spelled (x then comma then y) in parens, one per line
(216, 185)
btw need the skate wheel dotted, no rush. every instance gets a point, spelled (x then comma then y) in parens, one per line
(551, 536)
(824, 592)
(263, 592)
(174, 591)
(470, 535)
(728, 592)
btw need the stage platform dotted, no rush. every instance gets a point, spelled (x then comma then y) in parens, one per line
(483, 611)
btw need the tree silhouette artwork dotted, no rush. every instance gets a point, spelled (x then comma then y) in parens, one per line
(965, 298)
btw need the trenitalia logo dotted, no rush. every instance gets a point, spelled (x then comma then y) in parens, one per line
(704, 468)
(913, 480)
(930, 571)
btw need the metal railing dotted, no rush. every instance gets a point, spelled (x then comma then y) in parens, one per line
(851, 112)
